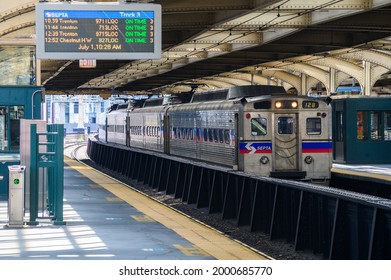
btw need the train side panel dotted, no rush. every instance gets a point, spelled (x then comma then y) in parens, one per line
(255, 143)
(316, 143)
(204, 132)
(146, 128)
(154, 130)
(120, 127)
(136, 128)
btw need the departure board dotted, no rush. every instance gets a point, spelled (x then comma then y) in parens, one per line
(98, 31)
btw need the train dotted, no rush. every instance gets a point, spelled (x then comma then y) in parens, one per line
(258, 129)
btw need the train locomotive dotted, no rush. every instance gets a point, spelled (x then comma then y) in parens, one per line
(259, 130)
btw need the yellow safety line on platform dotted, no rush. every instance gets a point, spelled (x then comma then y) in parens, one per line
(361, 174)
(143, 218)
(191, 250)
(207, 239)
(113, 199)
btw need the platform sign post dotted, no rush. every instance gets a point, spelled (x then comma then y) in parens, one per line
(98, 30)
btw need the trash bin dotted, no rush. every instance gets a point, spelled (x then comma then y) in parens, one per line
(16, 195)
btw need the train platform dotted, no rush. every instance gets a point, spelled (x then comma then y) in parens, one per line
(376, 172)
(106, 220)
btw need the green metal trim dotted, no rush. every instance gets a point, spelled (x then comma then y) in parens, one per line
(33, 175)
(54, 164)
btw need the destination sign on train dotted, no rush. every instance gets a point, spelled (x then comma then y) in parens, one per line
(98, 31)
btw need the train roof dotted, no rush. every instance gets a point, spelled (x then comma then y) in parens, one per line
(161, 101)
(154, 102)
(237, 92)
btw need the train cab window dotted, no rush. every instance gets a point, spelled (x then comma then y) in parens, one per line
(285, 125)
(314, 126)
(387, 126)
(258, 126)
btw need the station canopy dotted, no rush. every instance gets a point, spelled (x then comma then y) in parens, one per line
(212, 44)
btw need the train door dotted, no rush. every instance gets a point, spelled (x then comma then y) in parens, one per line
(339, 151)
(286, 148)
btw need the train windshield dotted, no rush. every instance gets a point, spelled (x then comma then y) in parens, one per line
(285, 125)
(258, 126)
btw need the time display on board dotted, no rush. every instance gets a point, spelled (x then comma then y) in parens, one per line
(133, 30)
(97, 31)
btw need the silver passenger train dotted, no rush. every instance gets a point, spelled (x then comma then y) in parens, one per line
(260, 130)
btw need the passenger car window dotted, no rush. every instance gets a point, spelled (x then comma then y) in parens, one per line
(362, 124)
(210, 134)
(174, 132)
(221, 135)
(227, 137)
(216, 135)
(375, 125)
(205, 134)
(387, 126)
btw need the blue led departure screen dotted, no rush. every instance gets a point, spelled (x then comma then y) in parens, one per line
(99, 31)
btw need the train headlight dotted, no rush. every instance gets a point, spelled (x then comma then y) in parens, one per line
(294, 104)
(278, 104)
(308, 159)
(264, 160)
